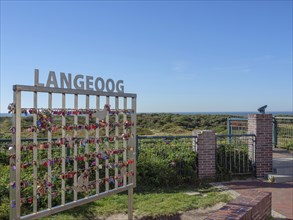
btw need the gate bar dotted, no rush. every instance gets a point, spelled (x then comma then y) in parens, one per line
(97, 135)
(49, 156)
(87, 121)
(133, 143)
(63, 152)
(107, 145)
(116, 141)
(35, 156)
(124, 144)
(75, 118)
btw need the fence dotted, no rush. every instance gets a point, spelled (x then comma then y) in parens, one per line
(237, 126)
(163, 161)
(166, 160)
(235, 154)
(173, 160)
(283, 132)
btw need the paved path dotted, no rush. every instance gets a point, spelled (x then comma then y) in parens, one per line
(282, 193)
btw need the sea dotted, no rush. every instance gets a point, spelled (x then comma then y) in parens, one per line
(235, 113)
(288, 113)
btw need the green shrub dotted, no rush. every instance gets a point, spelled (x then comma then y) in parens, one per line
(4, 208)
(289, 146)
(4, 192)
(166, 163)
(4, 160)
(144, 131)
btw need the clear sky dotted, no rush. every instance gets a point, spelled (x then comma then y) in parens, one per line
(178, 56)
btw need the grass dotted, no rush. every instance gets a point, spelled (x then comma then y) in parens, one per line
(147, 204)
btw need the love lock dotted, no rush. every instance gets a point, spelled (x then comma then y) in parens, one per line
(82, 182)
(41, 189)
(11, 108)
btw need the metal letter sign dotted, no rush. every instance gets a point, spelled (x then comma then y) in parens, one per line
(87, 153)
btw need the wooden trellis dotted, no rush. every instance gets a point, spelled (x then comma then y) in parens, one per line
(89, 155)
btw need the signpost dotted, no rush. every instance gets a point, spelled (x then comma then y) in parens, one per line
(90, 152)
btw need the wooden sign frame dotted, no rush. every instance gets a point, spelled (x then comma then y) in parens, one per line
(108, 147)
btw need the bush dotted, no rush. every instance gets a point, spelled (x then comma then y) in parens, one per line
(144, 131)
(166, 163)
(4, 160)
(4, 192)
(289, 146)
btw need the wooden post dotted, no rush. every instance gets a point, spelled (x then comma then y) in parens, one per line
(35, 154)
(63, 166)
(50, 155)
(130, 204)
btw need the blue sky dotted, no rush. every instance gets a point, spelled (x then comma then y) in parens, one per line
(178, 56)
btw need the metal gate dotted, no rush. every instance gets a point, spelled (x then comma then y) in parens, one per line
(237, 126)
(283, 132)
(235, 154)
(89, 152)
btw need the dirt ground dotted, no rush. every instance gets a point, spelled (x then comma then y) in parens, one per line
(198, 214)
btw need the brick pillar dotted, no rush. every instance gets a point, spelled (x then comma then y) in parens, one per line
(261, 126)
(206, 153)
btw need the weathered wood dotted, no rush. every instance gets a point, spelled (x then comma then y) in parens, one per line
(15, 194)
(63, 151)
(35, 155)
(49, 156)
(69, 91)
(75, 148)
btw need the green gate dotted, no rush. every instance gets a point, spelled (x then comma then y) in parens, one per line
(283, 132)
(235, 154)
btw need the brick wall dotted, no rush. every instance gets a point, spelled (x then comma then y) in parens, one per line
(252, 204)
(206, 149)
(261, 126)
